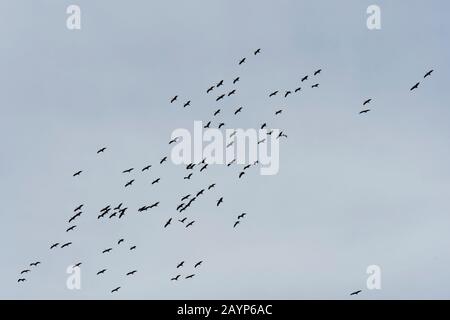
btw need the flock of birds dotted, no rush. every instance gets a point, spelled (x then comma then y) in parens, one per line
(120, 210)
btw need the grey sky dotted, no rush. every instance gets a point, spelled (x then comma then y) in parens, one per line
(352, 190)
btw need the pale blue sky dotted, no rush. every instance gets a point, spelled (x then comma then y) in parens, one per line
(352, 190)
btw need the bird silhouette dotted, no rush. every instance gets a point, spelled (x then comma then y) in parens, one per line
(154, 205)
(221, 125)
(115, 290)
(101, 150)
(235, 80)
(132, 248)
(21, 280)
(217, 112)
(231, 92)
(220, 97)
(211, 186)
(101, 271)
(163, 160)
(355, 293)
(35, 264)
(298, 89)
(230, 144)
(257, 51)
(25, 271)
(78, 208)
(75, 216)
(219, 201)
(242, 61)
(273, 94)
(364, 111)
(66, 245)
(71, 228)
(190, 224)
(120, 241)
(183, 220)
(118, 207)
(188, 103)
(238, 110)
(242, 215)
(220, 83)
(287, 93)
(156, 180)
(77, 173)
(204, 167)
(185, 197)
(180, 264)
(206, 126)
(210, 89)
(128, 170)
(317, 72)
(146, 168)
(114, 214)
(278, 112)
(54, 245)
(173, 140)
(198, 264)
(173, 99)
(175, 278)
(241, 174)
(235, 224)
(428, 74)
(414, 86)
(131, 273)
(106, 209)
(188, 177)
(129, 183)
(167, 223)
(304, 78)
(246, 167)
(107, 250)
(77, 265)
(190, 276)
(367, 101)
(231, 162)
(263, 126)
(315, 85)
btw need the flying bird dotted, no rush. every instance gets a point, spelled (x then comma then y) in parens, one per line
(146, 168)
(211, 186)
(119, 206)
(101, 272)
(71, 228)
(204, 167)
(298, 89)
(77, 173)
(207, 125)
(120, 241)
(235, 80)
(198, 264)
(101, 150)
(107, 250)
(355, 293)
(242, 61)
(75, 216)
(367, 101)
(66, 245)
(54, 245)
(315, 85)
(217, 112)
(180, 264)
(364, 111)
(131, 273)
(219, 201)
(221, 125)
(163, 160)
(236, 223)
(273, 94)
(231, 92)
(242, 215)
(167, 223)
(78, 208)
(219, 84)
(154, 205)
(22, 280)
(263, 126)
(278, 112)
(173, 99)
(257, 51)
(173, 140)
(304, 78)
(35, 264)
(77, 265)
(200, 192)
(115, 290)
(185, 197)
(220, 97)
(25, 271)
(210, 89)
(246, 167)
(287, 93)
(188, 103)
(129, 183)
(132, 248)
(317, 72)
(128, 170)
(175, 278)
(190, 223)
(241, 174)
(238, 110)
(188, 177)
(190, 276)
(183, 220)
(428, 74)
(415, 86)
(156, 181)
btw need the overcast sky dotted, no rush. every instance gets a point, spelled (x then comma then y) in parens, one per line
(352, 191)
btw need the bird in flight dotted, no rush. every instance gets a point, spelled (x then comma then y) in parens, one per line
(242, 61)
(180, 264)
(217, 112)
(22, 280)
(355, 293)
(210, 89)
(77, 173)
(120, 241)
(257, 51)
(428, 74)
(132, 248)
(77, 265)
(221, 125)
(367, 101)
(66, 245)
(241, 174)
(317, 72)
(129, 183)
(146, 168)
(315, 85)
(107, 250)
(287, 93)
(211, 186)
(35, 264)
(220, 83)
(54, 245)
(183, 220)
(242, 215)
(304, 78)
(188, 103)
(190, 223)
(128, 170)
(71, 228)
(173, 99)
(173, 140)
(278, 112)
(119, 206)
(238, 110)
(231, 162)
(364, 111)
(219, 201)
(236, 223)
(198, 264)
(235, 80)
(101, 150)
(115, 290)
(163, 160)
(154, 205)
(204, 167)
(131, 273)
(232, 92)
(78, 208)
(415, 86)
(167, 223)
(101, 272)
(175, 278)
(273, 94)
(190, 276)
(156, 181)
(25, 271)
(298, 89)
(220, 97)
(185, 197)
(75, 216)
(206, 126)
